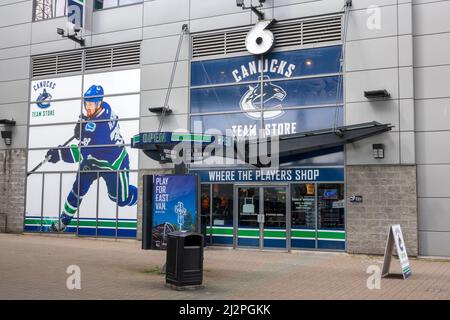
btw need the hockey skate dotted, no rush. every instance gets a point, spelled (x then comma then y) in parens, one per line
(58, 226)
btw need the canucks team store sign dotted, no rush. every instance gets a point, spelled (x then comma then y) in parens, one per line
(284, 93)
(87, 186)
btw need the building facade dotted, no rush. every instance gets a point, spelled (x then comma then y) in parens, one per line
(316, 75)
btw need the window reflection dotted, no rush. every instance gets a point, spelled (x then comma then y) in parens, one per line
(303, 206)
(205, 209)
(222, 205)
(330, 206)
(49, 9)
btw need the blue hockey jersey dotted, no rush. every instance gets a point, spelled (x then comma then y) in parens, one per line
(103, 129)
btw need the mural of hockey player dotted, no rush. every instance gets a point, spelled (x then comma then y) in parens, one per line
(105, 131)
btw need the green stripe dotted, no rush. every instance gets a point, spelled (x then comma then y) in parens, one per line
(84, 223)
(116, 165)
(191, 137)
(331, 235)
(75, 153)
(275, 233)
(69, 209)
(103, 164)
(248, 233)
(221, 231)
(303, 234)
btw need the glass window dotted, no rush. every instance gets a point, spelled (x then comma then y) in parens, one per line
(222, 205)
(330, 206)
(205, 210)
(45, 9)
(219, 99)
(303, 209)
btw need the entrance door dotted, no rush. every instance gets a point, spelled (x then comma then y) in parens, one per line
(261, 216)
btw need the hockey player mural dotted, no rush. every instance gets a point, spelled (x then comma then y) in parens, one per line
(104, 131)
(82, 173)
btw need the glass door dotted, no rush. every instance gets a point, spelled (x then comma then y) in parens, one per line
(303, 213)
(249, 217)
(330, 216)
(274, 217)
(261, 216)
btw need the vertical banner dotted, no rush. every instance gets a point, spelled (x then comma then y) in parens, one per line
(395, 236)
(75, 13)
(174, 206)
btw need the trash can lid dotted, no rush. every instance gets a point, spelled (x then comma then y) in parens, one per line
(184, 234)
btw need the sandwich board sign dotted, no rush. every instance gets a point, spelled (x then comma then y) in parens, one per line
(395, 236)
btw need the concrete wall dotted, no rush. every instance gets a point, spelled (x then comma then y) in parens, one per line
(12, 189)
(389, 197)
(432, 105)
(380, 57)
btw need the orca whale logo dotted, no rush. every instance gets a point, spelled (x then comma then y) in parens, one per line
(272, 96)
(43, 100)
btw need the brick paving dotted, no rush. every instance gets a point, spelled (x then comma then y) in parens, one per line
(34, 267)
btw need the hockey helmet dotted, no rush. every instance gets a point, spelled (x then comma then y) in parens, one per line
(94, 94)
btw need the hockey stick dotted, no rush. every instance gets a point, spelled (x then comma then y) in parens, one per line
(48, 158)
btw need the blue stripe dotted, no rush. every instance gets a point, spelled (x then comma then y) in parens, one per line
(222, 240)
(248, 242)
(336, 245)
(86, 231)
(275, 243)
(103, 232)
(126, 233)
(301, 243)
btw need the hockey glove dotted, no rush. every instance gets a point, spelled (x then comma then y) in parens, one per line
(53, 155)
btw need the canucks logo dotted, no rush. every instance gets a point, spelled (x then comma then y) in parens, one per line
(43, 100)
(90, 126)
(271, 95)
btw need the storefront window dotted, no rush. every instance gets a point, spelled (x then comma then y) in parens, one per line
(222, 205)
(205, 210)
(330, 206)
(303, 209)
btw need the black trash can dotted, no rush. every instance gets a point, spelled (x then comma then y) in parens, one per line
(184, 264)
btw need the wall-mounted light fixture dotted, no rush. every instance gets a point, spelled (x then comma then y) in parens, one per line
(6, 131)
(160, 110)
(72, 33)
(260, 14)
(377, 94)
(378, 151)
(7, 136)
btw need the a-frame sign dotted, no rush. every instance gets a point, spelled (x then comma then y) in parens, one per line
(395, 236)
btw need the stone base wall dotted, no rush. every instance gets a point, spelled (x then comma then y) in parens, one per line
(140, 195)
(12, 189)
(389, 197)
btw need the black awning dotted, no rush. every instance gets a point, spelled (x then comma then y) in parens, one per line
(297, 146)
(291, 147)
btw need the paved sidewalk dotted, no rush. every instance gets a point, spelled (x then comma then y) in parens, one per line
(34, 267)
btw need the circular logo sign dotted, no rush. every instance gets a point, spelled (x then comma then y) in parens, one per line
(43, 100)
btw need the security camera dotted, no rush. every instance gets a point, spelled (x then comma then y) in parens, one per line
(240, 3)
(60, 31)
